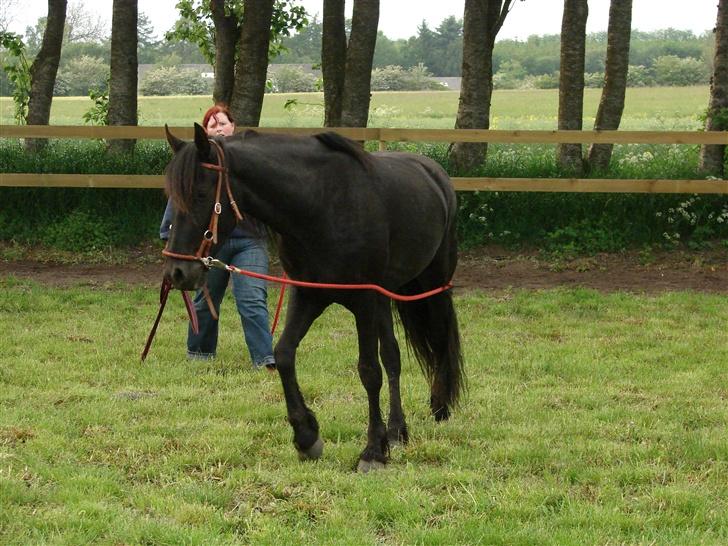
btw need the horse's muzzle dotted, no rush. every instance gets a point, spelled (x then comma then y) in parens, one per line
(185, 275)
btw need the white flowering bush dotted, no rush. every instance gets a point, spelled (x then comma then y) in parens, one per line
(589, 223)
(636, 159)
(696, 216)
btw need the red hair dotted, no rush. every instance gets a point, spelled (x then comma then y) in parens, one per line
(219, 108)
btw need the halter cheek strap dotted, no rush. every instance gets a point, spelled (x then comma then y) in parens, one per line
(210, 236)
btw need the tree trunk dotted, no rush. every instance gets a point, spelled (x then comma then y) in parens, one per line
(571, 81)
(333, 60)
(44, 69)
(359, 59)
(227, 34)
(712, 156)
(124, 65)
(481, 23)
(611, 105)
(251, 70)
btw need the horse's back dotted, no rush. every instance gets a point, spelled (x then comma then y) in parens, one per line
(412, 169)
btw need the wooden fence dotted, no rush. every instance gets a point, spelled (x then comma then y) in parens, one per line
(383, 136)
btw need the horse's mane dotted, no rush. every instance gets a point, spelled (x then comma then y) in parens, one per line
(338, 143)
(182, 170)
(180, 176)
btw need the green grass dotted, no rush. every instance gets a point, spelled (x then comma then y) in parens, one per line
(665, 108)
(590, 419)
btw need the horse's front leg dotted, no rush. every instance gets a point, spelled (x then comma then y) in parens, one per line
(391, 360)
(375, 454)
(303, 309)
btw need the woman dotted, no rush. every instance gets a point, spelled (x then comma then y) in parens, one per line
(246, 249)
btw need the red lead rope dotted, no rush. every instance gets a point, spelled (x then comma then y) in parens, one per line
(163, 294)
(284, 280)
(332, 286)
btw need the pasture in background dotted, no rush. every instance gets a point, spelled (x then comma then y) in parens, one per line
(590, 418)
(653, 108)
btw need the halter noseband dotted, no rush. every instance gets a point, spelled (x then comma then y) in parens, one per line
(210, 235)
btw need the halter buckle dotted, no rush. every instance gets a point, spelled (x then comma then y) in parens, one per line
(218, 208)
(210, 262)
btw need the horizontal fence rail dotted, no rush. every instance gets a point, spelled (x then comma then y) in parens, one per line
(383, 135)
(386, 135)
(571, 185)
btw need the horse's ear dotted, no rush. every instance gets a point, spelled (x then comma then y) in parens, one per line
(174, 142)
(201, 141)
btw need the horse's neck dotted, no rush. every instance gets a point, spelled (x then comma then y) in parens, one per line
(275, 190)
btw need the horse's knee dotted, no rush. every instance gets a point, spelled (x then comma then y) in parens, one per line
(370, 374)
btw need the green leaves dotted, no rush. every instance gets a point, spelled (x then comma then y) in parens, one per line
(98, 114)
(18, 71)
(195, 24)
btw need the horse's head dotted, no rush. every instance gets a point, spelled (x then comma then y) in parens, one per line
(197, 182)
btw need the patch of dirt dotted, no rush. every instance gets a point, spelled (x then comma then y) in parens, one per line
(702, 271)
(490, 268)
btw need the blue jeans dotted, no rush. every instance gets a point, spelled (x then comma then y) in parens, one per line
(251, 299)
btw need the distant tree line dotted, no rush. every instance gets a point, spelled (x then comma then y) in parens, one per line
(659, 58)
(86, 54)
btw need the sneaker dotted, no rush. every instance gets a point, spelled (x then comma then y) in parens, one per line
(267, 364)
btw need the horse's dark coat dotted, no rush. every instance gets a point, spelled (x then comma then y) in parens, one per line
(343, 216)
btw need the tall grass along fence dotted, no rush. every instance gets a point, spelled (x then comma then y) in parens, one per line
(494, 207)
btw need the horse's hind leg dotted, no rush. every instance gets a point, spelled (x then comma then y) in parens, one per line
(302, 311)
(374, 455)
(389, 353)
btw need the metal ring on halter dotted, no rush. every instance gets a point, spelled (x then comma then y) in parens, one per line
(208, 235)
(218, 208)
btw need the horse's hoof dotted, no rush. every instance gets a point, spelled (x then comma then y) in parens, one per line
(367, 466)
(313, 452)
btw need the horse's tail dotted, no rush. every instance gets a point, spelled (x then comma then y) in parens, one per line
(431, 329)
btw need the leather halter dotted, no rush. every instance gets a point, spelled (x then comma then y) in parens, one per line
(210, 236)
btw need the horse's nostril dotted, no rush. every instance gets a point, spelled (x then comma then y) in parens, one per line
(177, 275)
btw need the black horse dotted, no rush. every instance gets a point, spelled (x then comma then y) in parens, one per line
(342, 216)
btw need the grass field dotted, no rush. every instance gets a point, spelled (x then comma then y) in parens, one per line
(667, 108)
(590, 419)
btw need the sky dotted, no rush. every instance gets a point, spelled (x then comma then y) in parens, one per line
(400, 18)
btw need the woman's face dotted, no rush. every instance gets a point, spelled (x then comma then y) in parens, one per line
(219, 125)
